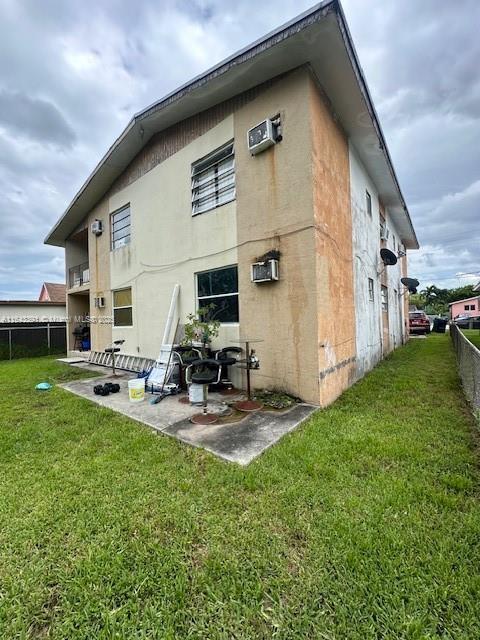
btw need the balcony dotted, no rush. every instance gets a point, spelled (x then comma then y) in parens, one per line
(79, 275)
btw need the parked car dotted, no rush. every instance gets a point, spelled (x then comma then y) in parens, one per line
(466, 322)
(419, 322)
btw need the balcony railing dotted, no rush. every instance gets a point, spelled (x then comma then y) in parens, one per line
(79, 275)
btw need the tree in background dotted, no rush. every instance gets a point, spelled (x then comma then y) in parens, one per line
(435, 301)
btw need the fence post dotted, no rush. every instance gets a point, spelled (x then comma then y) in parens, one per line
(48, 337)
(10, 343)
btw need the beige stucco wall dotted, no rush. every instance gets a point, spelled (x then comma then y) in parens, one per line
(275, 211)
(80, 300)
(169, 246)
(99, 259)
(296, 197)
(333, 250)
(282, 195)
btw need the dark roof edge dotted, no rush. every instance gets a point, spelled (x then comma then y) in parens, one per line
(314, 14)
(33, 303)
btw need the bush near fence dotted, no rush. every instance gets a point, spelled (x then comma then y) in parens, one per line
(468, 360)
(36, 339)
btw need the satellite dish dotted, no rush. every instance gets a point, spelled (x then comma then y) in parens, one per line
(388, 257)
(410, 283)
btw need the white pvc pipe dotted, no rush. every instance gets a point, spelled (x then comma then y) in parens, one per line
(171, 314)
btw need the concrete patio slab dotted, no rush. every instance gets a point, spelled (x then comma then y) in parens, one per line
(161, 415)
(240, 441)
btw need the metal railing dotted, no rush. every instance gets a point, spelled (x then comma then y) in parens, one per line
(79, 275)
(468, 359)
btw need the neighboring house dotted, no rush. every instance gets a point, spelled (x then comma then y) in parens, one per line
(30, 312)
(50, 307)
(53, 292)
(466, 308)
(181, 199)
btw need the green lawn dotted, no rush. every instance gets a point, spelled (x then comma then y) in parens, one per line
(363, 524)
(473, 335)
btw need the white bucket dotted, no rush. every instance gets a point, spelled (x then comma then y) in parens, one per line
(136, 389)
(195, 393)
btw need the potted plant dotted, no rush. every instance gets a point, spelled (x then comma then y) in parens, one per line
(201, 328)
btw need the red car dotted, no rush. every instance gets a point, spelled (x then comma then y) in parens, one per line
(418, 322)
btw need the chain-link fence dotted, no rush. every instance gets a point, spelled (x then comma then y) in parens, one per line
(28, 341)
(468, 359)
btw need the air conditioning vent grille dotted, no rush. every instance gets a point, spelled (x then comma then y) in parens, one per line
(266, 271)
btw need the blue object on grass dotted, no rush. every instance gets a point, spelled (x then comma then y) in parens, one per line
(43, 386)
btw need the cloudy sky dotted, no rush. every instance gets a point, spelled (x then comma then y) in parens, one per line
(72, 74)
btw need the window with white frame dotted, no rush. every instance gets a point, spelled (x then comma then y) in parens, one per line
(217, 290)
(122, 308)
(120, 227)
(384, 298)
(368, 200)
(213, 179)
(371, 290)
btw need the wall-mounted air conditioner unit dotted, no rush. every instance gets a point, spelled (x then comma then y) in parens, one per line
(99, 302)
(266, 271)
(96, 227)
(262, 136)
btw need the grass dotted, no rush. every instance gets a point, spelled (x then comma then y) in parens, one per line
(363, 524)
(473, 335)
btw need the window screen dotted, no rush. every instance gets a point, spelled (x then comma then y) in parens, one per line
(213, 180)
(371, 290)
(122, 308)
(120, 227)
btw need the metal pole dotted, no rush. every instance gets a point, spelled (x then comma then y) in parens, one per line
(247, 348)
(10, 343)
(48, 337)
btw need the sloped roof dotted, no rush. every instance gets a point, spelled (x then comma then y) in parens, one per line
(318, 37)
(56, 292)
(464, 300)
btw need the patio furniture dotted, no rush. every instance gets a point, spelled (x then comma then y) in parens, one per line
(223, 356)
(185, 356)
(204, 372)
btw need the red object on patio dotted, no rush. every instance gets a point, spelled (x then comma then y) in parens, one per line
(204, 418)
(247, 405)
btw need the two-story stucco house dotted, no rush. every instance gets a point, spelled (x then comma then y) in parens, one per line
(182, 199)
